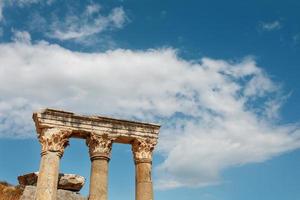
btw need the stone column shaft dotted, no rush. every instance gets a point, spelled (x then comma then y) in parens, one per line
(48, 177)
(144, 188)
(53, 142)
(99, 149)
(99, 180)
(142, 153)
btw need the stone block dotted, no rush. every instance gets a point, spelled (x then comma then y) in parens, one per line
(70, 182)
(29, 193)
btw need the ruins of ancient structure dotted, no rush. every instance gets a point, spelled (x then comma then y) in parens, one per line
(55, 127)
(68, 186)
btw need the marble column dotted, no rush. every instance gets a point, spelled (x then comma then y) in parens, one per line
(142, 152)
(99, 149)
(53, 143)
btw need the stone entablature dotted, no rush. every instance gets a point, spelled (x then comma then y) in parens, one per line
(81, 126)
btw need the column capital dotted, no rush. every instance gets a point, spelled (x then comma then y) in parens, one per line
(54, 139)
(142, 149)
(99, 146)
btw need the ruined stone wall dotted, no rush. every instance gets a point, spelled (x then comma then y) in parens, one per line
(29, 193)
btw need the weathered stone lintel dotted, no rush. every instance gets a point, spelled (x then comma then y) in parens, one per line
(82, 126)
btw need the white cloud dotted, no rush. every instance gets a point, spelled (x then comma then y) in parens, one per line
(28, 2)
(20, 3)
(118, 17)
(271, 26)
(93, 9)
(209, 110)
(205, 148)
(86, 24)
(23, 2)
(21, 36)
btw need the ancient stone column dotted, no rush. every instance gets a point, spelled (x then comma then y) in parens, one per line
(99, 149)
(53, 143)
(142, 153)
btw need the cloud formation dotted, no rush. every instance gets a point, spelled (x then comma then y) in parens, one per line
(214, 112)
(21, 36)
(19, 3)
(27, 2)
(271, 26)
(88, 23)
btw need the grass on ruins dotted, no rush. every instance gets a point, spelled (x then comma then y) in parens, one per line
(9, 192)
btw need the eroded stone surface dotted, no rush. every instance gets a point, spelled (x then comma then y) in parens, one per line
(142, 149)
(99, 145)
(70, 182)
(29, 193)
(54, 139)
(28, 179)
(81, 126)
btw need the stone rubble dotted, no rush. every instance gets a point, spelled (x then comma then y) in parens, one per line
(71, 182)
(29, 193)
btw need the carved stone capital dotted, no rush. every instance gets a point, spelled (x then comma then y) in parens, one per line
(55, 140)
(99, 146)
(142, 149)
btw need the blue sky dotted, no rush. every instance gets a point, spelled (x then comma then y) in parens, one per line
(221, 77)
